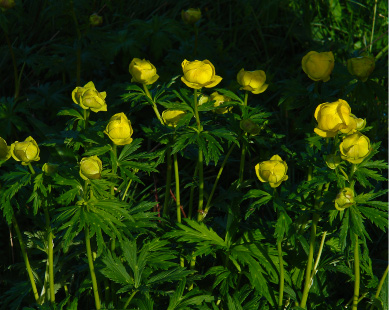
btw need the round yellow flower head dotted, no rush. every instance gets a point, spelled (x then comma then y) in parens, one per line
(191, 16)
(354, 125)
(7, 4)
(49, 169)
(172, 117)
(220, 99)
(95, 20)
(332, 160)
(198, 74)
(318, 66)
(143, 71)
(332, 117)
(90, 168)
(26, 151)
(344, 199)
(361, 67)
(272, 171)
(253, 81)
(88, 97)
(119, 129)
(5, 150)
(355, 147)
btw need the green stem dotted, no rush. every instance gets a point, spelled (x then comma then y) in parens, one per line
(154, 106)
(372, 28)
(281, 291)
(31, 168)
(243, 156)
(16, 74)
(92, 268)
(50, 254)
(357, 273)
(191, 195)
(323, 238)
(177, 179)
(380, 285)
(129, 299)
(86, 118)
(128, 186)
(168, 181)
(114, 165)
(25, 258)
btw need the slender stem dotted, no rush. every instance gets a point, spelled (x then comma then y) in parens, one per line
(86, 118)
(114, 165)
(31, 168)
(154, 106)
(25, 258)
(168, 181)
(129, 299)
(281, 291)
(191, 195)
(128, 186)
(323, 238)
(16, 74)
(357, 273)
(50, 254)
(177, 179)
(380, 285)
(243, 156)
(92, 268)
(372, 28)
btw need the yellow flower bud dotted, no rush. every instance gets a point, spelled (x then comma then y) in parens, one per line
(191, 16)
(355, 147)
(5, 150)
(202, 99)
(253, 81)
(354, 125)
(332, 160)
(143, 71)
(49, 169)
(344, 199)
(90, 168)
(88, 97)
(198, 74)
(95, 20)
(172, 117)
(272, 171)
(7, 4)
(332, 117)
(119, 129)
(247, 125)
(220, 99)
(318, 66)
(361, 67)
(26, 151)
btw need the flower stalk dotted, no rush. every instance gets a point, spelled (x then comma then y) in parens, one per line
(154, 106)
(243, 155)
(92, 269)
(168, 181)
(177, 179)
(357, 273)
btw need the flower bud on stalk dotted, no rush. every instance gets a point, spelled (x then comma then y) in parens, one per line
(191, 16)
(26, 151)
(318, 66)
(5, 150)
(361, 67)
(355, 147)
(198, 74)
(143, 71)
(344, 199)
(119, 129)
(95, 20)
(272, 171)
(90, 168)
(253, 81)
(88, 97)
(332, 160)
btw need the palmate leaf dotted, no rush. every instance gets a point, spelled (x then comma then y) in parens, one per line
(176, 106)
(356, 222)
(129, 149)
(223, 276)
(115, 270)
(100, 150)
(377, 217)
(344, 228)
(170, 275)
(229, 94)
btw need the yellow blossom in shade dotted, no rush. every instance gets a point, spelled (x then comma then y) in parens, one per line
(191, 16)
(272, 171)
(5, 150)
(253, 81)
(318, 66)
(361, 67)
(355, 147)
(332, 161)
(354, 125)
(49, 169)
(247, 125)
(119, 129)
(143, 71)
(220, 99)
(88, 97)
(332, 117)
(172, 117)
(344, 199)
(95, 20)
(198, 74)
(26, 151)
(90, 168)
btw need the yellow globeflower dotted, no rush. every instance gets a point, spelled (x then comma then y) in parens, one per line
(318, 66)
(172, 117)
(191, 16)
(220, 99)
(26, 151)
(361, 67)
(332, 117)
(88, 97)
(90, 168)
(119, 129)
(143, 71)
(253, 81)
(5, 150)
(355, 148)
(344, 199)
(272, 171)
(95, 20)
(354, 125)
(198, 74)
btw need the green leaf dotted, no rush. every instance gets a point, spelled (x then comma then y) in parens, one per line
(71, 112)
(115, 271)
(129, 149)
(377, 217)
(230, 94)
(98, 150)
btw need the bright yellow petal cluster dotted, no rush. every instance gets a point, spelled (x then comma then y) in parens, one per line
(143, 71)
(361, 67)
(119, 129)
(354, 125)
(332, 117)
(26, 151)
(253, 81)
(5, 150)
(88, 97)
(344, 199)
(272, 171)
(191, 16)
(90, 168)
(355, 147)
(172, 117)
(318, 66)
(220, 99)
(198, 74)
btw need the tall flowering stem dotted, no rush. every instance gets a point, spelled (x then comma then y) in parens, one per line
(154, 106)
(177, 178)
(168, 180)
(243, 156)
(114, 165)
(357, 273)
(92, 268)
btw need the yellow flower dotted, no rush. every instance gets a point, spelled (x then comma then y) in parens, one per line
(119, 129)
(253, 81)
(5, 150)
(344, 199)
(361, 67)
(354, 125)
(95, 20)
(355, 148)
(318, 66)
(332, 160)
(7, 4)
(272, 171)
(220, 99)
(332, 117)
(143, 71)
(191, 16)
(199, 74)
(90, 168)
(172, 117)
(26, 151)
(88, 97)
